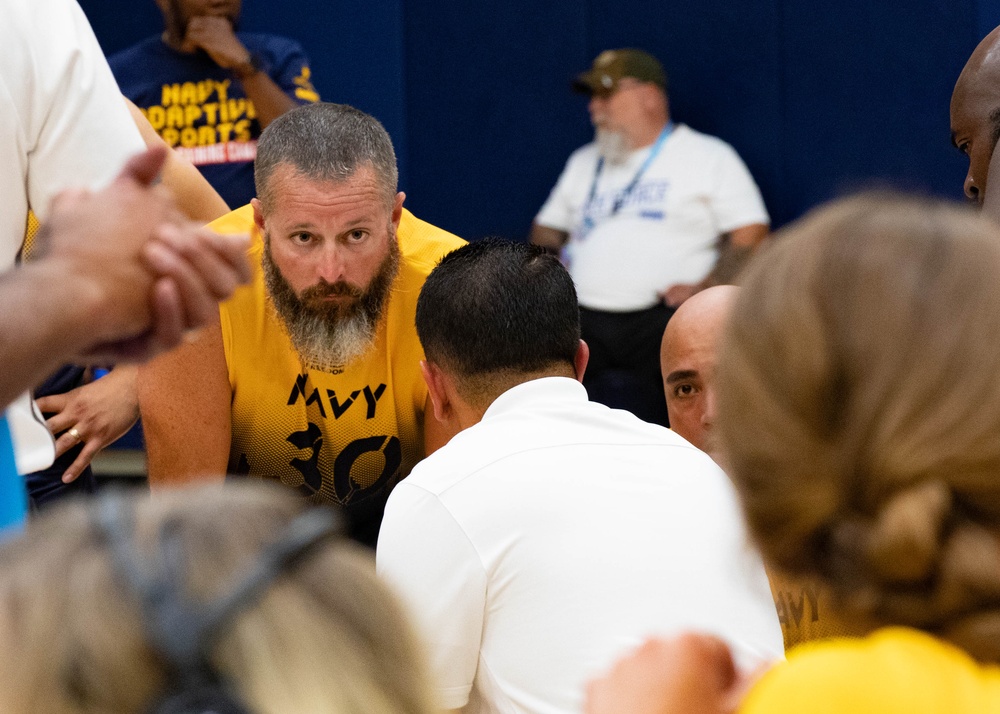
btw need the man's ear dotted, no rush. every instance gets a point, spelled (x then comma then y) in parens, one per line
(397, 208)
(258, 215)
(580, 360)
(436, 390)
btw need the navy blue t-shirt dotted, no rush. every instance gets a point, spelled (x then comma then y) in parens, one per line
(201, 110)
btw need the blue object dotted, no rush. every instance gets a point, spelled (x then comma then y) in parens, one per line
(13, 496)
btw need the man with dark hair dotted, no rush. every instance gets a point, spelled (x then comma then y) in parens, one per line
(312, 376)
(209, 89)
(649, 213)
(552, 533)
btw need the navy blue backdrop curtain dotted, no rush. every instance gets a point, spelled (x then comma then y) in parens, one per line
(818, 98)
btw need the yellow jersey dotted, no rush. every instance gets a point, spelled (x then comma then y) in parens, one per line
(345, 436)
(894, 669)
(806, 612)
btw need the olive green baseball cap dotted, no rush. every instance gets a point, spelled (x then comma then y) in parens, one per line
(611, 66)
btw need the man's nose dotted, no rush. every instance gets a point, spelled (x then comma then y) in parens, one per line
(708, 416)
(972, 191)
(330, 266)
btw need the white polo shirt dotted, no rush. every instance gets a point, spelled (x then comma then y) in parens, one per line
(550, 538)
(666, 231)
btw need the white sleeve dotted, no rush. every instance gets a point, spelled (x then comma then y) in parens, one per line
(426, 557)
(63, 123)
(736, 200)
(77, 128)
(558, 210)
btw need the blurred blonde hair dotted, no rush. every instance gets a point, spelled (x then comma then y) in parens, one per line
(859, 398)
(325, 637)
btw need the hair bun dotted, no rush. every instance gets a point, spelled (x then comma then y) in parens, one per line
(904, 542)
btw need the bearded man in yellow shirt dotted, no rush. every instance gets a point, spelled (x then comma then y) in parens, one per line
(312, 375)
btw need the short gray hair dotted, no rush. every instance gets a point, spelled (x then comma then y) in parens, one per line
(325, 142)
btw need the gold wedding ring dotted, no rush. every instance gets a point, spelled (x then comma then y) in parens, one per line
(75, 434)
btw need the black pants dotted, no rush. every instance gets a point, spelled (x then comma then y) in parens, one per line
(624, 367)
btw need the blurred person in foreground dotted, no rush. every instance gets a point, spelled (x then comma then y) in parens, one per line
(230, 600)
(63, 126)
(119, 275)
(689, 355)
(859, 415)
(86, 414)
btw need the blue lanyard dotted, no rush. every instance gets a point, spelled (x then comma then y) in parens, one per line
(620, 201)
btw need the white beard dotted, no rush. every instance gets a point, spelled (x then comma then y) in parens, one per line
(612, 146)
(326, 347)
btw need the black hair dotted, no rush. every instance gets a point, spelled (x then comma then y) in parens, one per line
(498, 306)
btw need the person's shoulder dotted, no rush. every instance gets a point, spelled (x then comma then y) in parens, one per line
(700, 140)
(239, 220)
(125, 58)
(247, 300)
(585, 155)
(262, 42)
(893, 669)
(423, 245)
(139, 62)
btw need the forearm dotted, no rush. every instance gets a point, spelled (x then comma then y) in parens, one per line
(269, 99)
(735, 251)
(732, 259)
(552, 239)
(43, 323)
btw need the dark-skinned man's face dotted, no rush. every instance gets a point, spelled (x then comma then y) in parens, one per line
(974, 132)
(180, 12)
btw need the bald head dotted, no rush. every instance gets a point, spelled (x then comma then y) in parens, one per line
(687, 359)
(975, 112)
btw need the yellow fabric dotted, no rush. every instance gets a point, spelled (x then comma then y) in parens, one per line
(339, 438)
(805, 611)
(892, 670)
(30, 231)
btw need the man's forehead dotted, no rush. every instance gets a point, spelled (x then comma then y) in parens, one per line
(359, 193)
(290, 173)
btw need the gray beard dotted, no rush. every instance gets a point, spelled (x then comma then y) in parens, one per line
(612, 146)
(329, 335)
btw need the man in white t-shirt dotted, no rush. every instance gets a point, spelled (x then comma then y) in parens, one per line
(552, 534)
(649, 213)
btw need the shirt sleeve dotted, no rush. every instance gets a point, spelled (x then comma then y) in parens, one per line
(736, 200)
(428, 559)
(78, 129)
(559, 209)
(293, 74)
